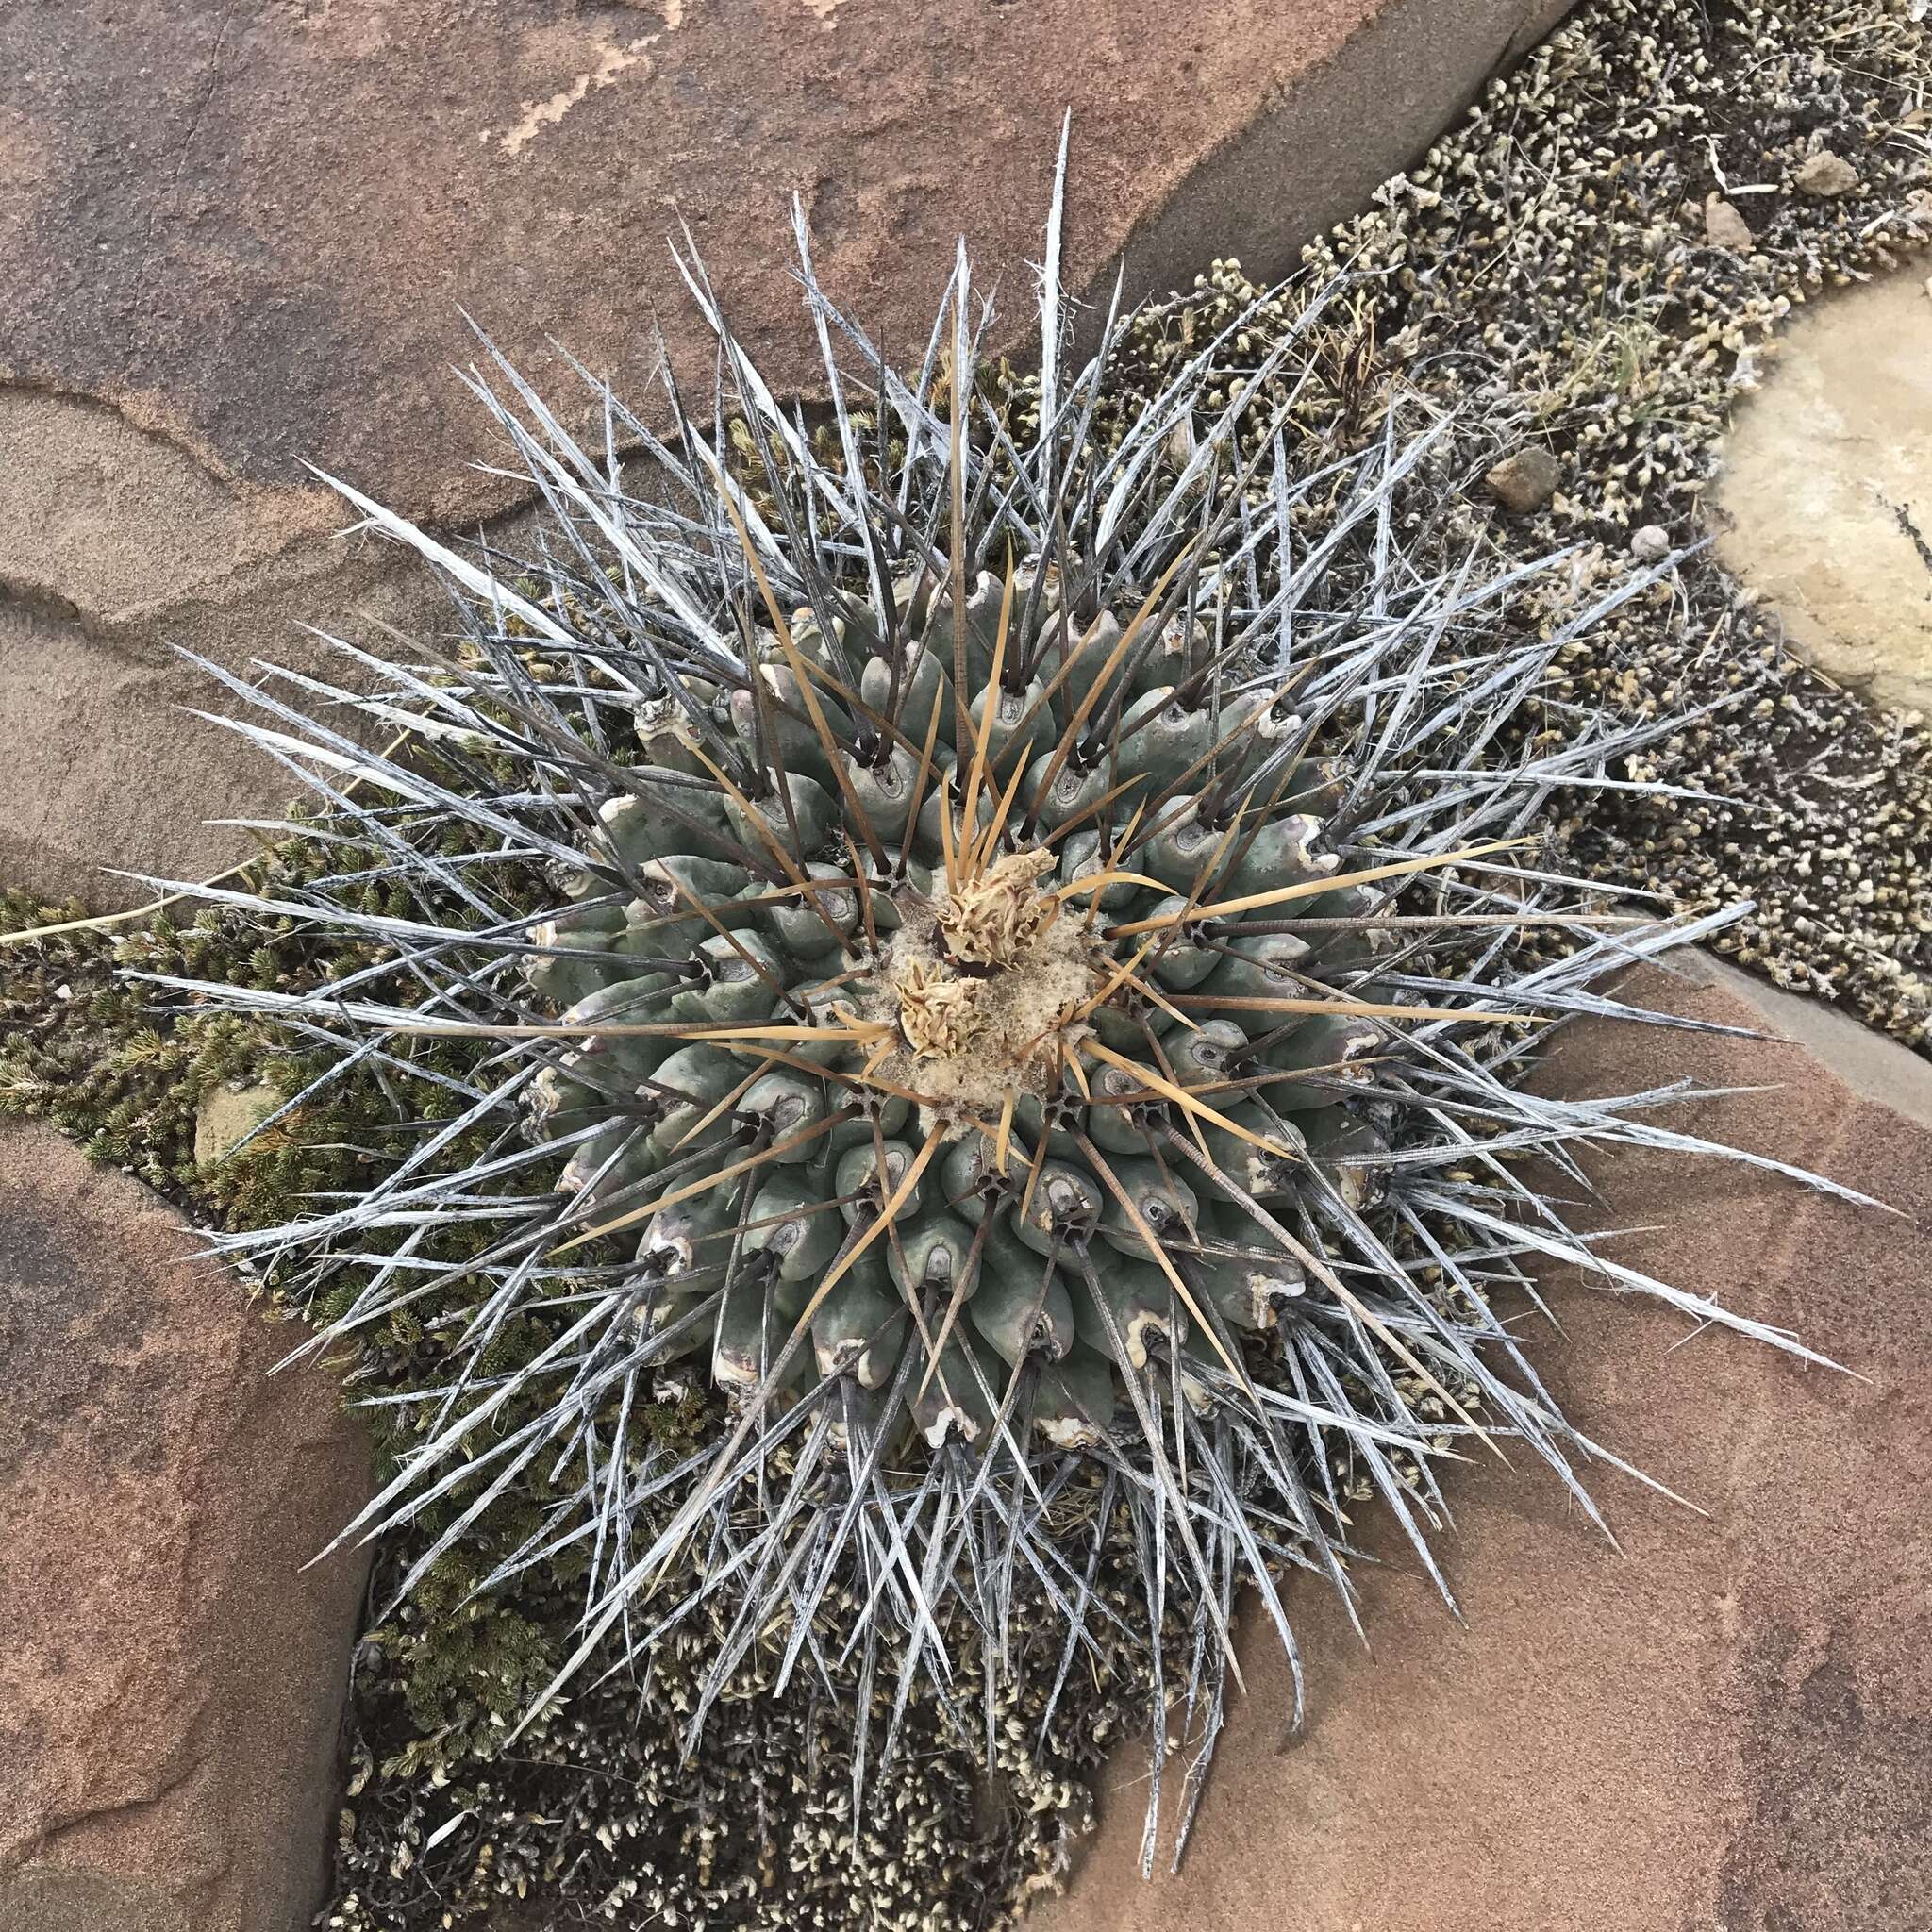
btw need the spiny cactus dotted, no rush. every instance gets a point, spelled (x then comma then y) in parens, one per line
(1032, 944)
(993, 976)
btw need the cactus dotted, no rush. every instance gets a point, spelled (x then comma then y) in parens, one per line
(1034, 941)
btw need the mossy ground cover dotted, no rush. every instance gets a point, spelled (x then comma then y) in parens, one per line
(1546, 274)
(1549, 271)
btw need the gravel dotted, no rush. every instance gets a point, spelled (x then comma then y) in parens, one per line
(1553, 269)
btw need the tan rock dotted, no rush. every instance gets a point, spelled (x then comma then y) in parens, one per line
(216, 245)
(1525, 481)
(1825, 504)
(1825, 174)
(1725, 1725)
(171, 1680)
(99, 765)
(226, 1114)
(1724, 227)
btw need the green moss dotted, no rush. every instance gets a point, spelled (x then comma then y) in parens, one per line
(79, 1049)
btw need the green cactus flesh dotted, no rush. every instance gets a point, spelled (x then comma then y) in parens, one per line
(980, 976)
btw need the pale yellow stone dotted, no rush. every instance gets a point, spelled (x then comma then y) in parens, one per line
(225, 1115)
(1824, 503)
(1826, 174)
(1724, 227)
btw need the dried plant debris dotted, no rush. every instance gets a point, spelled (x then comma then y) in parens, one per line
(600, 1815)
(85, 1049)
(1566, 274)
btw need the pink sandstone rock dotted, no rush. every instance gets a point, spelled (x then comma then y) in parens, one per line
(1728, 1725)
(170, 1679)
(251, 229)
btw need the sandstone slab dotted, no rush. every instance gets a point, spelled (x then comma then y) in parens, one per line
(1825, 505)
(250, 229)
(172, 1681)
(237, 239)
(1728, 1725)
(103, 763)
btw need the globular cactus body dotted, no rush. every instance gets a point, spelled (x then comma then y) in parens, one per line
(1027, 990)
(1042, 932)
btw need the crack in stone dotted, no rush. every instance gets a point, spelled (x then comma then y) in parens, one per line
(1902, 513)
(147, 243)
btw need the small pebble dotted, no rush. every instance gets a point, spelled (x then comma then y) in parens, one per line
(1651, 544)
(1825, 174)
(1724, 227)
(1524, 482)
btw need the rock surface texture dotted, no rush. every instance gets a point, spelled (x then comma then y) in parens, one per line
(1525, 481)
(1729, 1723)
(170, 1679)
(240, 238)
(1826, 501)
